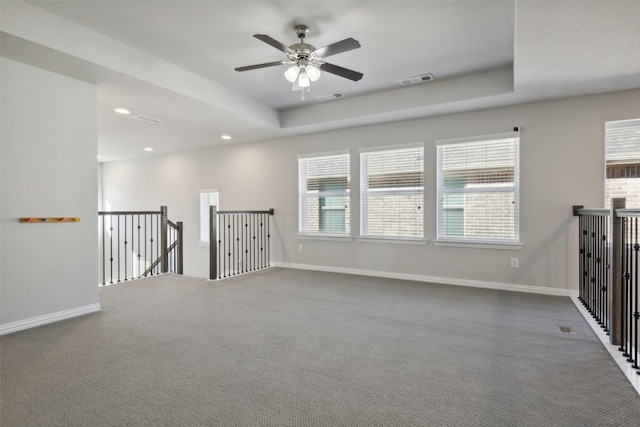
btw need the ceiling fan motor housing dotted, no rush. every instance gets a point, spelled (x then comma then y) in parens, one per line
(303, 50)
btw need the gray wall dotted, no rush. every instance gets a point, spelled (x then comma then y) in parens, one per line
(561, 146)
(49, 168)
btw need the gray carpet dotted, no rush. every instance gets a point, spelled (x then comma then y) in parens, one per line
(291, 348)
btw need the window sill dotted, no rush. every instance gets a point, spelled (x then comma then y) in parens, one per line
(479, 245)
(393, 240)
(330, 237)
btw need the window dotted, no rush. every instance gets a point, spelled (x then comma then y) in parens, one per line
(207, 198)
(478, 189)
(622, 160)
(323, 195)
(392, 192)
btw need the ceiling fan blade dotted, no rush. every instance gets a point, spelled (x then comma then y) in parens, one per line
(255, 67)
(275, 43)
(342, 72)
(337, 47)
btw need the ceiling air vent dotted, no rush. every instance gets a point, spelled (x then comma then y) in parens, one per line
(330, 96)
(417, 79)
(148, 119)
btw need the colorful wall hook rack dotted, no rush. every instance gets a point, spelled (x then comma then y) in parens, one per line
(51, 219)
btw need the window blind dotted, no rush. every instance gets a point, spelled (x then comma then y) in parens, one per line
(622, 141)
(207, 198)
(323, 194)
(392, 193)
(478, 190)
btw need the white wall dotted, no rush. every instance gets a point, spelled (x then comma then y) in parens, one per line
(49, 168)
(562, 146)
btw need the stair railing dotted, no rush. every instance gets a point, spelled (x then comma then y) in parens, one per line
(136, 244)
(609, 259)
(239, 242)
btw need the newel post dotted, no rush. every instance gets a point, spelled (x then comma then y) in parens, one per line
(180, 262)
(164, 243)
(213, 243)
(616, 300)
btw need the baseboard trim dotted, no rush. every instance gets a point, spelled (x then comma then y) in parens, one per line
(48, 318)
(621, 361)
(432, 279)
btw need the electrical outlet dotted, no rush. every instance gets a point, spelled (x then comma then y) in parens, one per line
(514, 263)
(300, 248)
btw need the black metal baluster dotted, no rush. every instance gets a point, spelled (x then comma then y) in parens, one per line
(240, 238)
(590, 265)
(269, 240)
(258, 245)
(174, 269)
(224, 232)
(126, 252)
(629, 304)
(139, 248)
(600, 272)
(634, 270)
(260, 260)
(601, 269)
(594, 268)
(133, 247)
(236, 243)
(625, 293)
(151, 260)
(583, 259)
(254, 242)
(158, 240)
(583, 278)
(111, 246)
(601, 266)
(118, 245)
(232, 246)
(223, 250)
(249, 242)
(245, 238)
(262, 241)
(229, 245)
(234, 266)
(580, 255)
(146, 244)
(606, 285)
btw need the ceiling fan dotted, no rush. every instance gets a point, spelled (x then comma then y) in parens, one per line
(306, 61)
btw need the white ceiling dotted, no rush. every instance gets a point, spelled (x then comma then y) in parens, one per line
(174, 61)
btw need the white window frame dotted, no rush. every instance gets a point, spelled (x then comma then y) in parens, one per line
(303, 196)
(205, 202)
(365, 191)
(480, 242)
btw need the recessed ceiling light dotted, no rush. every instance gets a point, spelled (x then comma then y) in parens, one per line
(148, 149)
(225, 137)
(122, 111)
(99, 156)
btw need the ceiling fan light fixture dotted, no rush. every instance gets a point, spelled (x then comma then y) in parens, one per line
(292, 73)
(313, 72)
(303, 79)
